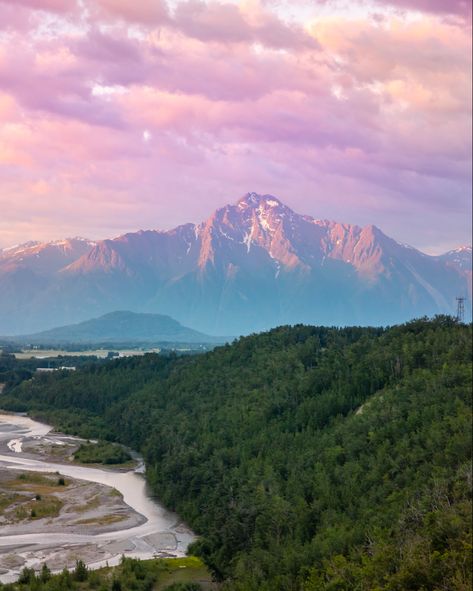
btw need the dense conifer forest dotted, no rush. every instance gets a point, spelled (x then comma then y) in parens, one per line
(306, 458)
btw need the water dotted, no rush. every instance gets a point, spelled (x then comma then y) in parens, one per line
(162, 532)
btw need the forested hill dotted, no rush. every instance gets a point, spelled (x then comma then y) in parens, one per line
(308, 458)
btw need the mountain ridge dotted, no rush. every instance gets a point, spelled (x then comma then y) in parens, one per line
(249, 266)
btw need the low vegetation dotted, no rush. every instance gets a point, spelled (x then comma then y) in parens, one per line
(102, 452)
(179, 574)
(103, 520)
(30, 496)
(39, 507)
(307, 458)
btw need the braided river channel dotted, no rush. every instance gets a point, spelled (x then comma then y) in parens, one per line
(131, 522)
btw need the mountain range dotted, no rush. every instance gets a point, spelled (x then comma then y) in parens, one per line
(250, 266)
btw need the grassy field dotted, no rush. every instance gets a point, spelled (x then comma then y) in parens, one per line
(185, 570)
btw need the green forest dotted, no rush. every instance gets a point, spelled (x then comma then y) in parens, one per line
(13, 371)
(306, 458)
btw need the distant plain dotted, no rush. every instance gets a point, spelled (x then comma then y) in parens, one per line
(100, 353)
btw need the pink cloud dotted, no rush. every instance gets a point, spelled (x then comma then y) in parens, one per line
(61, 84)
(59, 6)
(227, 23)
(459, 7)
(350, 118)
(148, 12)
(14, 18)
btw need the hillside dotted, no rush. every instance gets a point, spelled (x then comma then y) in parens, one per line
(122, 327)
(248, 267)
(308, 458)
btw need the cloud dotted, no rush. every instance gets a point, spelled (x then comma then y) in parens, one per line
(134, 116)
(230, 23)
(457, 7)
(147, 12)
(58, 6)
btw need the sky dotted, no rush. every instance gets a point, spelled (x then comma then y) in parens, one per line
(119, 115)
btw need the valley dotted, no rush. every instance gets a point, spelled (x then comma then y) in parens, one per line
(302, 458)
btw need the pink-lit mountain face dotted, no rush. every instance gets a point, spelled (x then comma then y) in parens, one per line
(44, 258)
(250, 266)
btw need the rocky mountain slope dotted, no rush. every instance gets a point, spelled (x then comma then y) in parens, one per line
(249, 266)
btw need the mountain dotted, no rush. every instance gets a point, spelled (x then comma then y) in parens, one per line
(459, 259)
(123, 327)
(26, 272)
(44, 258)
(250, 266)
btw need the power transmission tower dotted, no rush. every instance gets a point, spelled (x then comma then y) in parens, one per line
(460, 309)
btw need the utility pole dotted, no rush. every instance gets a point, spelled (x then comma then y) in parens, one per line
(460, 309)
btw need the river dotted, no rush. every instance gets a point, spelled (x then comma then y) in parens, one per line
(161, 533)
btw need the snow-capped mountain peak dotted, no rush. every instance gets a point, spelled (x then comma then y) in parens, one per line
(256, 200)
(44, 257)
(460, 258)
